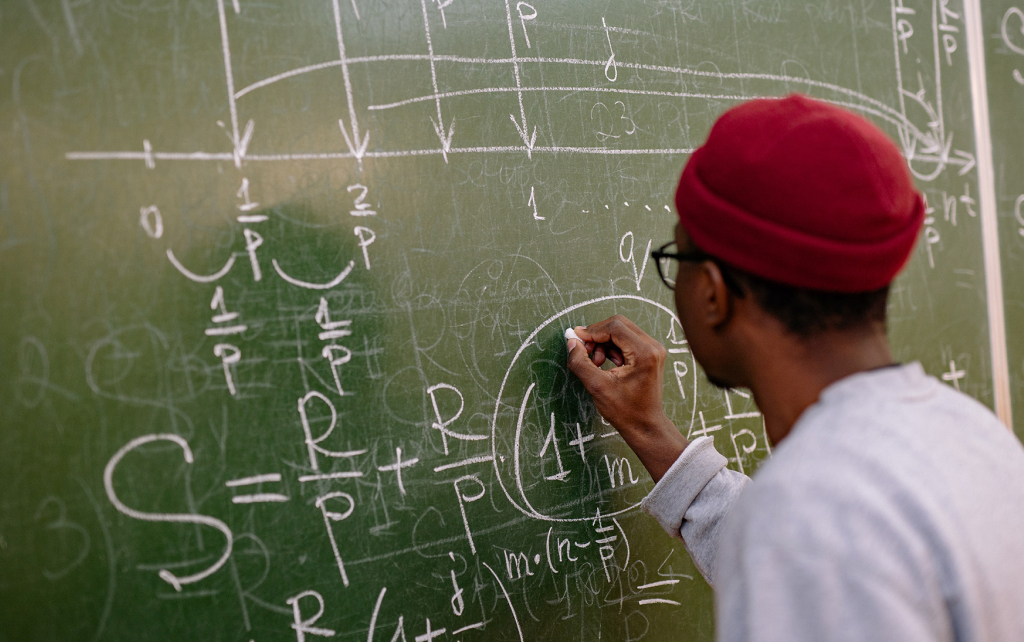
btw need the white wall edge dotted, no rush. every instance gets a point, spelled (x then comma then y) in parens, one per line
(988, 211)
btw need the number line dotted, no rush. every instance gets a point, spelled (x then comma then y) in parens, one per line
(315, 156)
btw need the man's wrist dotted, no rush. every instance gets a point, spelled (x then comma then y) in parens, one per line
(657, 443)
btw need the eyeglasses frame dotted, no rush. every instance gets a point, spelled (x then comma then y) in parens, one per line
(693, 256)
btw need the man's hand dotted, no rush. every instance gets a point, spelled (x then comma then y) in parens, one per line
(628, 396)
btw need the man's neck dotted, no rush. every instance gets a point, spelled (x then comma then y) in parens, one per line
(789, 374)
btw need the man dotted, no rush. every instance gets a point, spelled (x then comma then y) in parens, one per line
(893, 506)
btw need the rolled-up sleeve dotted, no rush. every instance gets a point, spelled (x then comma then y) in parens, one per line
(693, 499)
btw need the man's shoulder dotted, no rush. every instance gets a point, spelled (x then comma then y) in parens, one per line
(890, 457)
(860, 428)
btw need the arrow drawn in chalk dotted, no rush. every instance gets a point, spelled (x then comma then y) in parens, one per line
(239, 144)
(968, 161)
(446, 140)
(242, 146)
(965, 160)
(356, 147)
(528, 140)
(524, 130)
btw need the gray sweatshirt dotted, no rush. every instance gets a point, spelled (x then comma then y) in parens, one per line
(894, 510)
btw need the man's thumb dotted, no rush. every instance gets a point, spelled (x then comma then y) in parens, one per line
(581, 365)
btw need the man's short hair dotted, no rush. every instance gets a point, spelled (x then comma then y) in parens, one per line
(806, 312)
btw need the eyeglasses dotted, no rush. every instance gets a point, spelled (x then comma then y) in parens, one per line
(667, 261)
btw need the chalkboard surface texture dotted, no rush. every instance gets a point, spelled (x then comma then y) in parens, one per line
(283, 288)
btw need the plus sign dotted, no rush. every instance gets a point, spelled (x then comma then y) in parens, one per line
(398, 466)
(580, 440)
(954, 375)
(429, 635)
(704, 428)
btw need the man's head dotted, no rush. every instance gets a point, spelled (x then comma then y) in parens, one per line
(808, 212)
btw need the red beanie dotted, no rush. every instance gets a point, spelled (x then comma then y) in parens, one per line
(803, 193)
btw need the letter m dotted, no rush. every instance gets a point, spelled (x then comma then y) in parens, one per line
(619, 469)
(518, 561)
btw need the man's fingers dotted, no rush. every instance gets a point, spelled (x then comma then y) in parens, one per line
(581, 366)
(581, 332)
(618, 331)
(620, 341)
(637, 330)
(606, 352)
(615, 356)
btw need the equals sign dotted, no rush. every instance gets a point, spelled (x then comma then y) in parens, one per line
(256, 498)
(658, 600)
(335, 330)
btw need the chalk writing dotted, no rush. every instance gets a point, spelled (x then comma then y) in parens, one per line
(380, 423)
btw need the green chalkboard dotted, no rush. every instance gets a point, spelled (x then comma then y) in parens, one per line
(284, 283)
(1004, 58)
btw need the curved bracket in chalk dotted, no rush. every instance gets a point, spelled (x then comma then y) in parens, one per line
(315, 286)
(198, 278)
(508, 599)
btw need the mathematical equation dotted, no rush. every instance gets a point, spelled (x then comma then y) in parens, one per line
(520, 497)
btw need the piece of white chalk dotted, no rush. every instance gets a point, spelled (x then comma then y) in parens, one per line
(571, 334)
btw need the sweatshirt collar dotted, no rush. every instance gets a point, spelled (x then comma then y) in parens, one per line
(898, 382)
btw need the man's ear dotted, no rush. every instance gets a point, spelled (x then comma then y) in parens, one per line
(717, 301)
